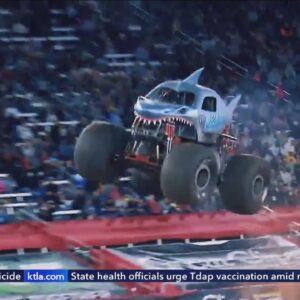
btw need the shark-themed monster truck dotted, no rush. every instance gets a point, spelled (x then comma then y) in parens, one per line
(177, 146)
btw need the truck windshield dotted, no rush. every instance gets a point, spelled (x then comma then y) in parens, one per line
(168, 95)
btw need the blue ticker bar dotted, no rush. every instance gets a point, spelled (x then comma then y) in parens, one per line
(204, 276)
(11, 276)
(45, 275)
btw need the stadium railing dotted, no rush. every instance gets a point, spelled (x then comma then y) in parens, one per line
(10, 207)
(56, 182)
(126, 60)
(62, 30)
(5, 12)
(18, 196)
(17, 39)
(71, 212)
(43, 124)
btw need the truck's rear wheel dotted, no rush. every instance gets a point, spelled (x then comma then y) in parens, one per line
(245, 184)
(188, 172)
(99, 151)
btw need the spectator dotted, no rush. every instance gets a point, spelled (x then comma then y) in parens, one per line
(24, 132)
(80, 201)
(286, 177)
(289, 147)
(52, 197)
(4, 219)
(152, 205)
(45, 212)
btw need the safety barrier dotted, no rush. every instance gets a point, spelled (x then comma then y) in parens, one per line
(122, 231)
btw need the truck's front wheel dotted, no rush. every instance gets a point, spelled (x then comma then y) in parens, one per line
(99, 151)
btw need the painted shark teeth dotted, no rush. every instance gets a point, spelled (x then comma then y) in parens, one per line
(146, 121)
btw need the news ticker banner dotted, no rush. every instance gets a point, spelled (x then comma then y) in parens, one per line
(177, 276)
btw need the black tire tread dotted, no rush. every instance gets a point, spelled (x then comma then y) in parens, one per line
(235, 187)
(178, 172)
(96, 147)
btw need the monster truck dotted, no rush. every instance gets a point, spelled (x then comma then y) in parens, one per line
(177, 146)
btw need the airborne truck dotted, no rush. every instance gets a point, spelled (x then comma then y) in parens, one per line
(176, 146)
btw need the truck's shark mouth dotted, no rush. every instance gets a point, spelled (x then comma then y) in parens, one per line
(158, 120)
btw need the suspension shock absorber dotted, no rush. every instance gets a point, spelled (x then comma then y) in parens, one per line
(157, 152)
(169, 132)
(134, 125)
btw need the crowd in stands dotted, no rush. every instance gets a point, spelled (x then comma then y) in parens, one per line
(45, 84)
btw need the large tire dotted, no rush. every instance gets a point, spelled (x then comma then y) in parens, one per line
(189, 171)
(99, 151)
(245, 183)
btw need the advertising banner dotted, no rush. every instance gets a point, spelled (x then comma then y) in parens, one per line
(254, 253)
